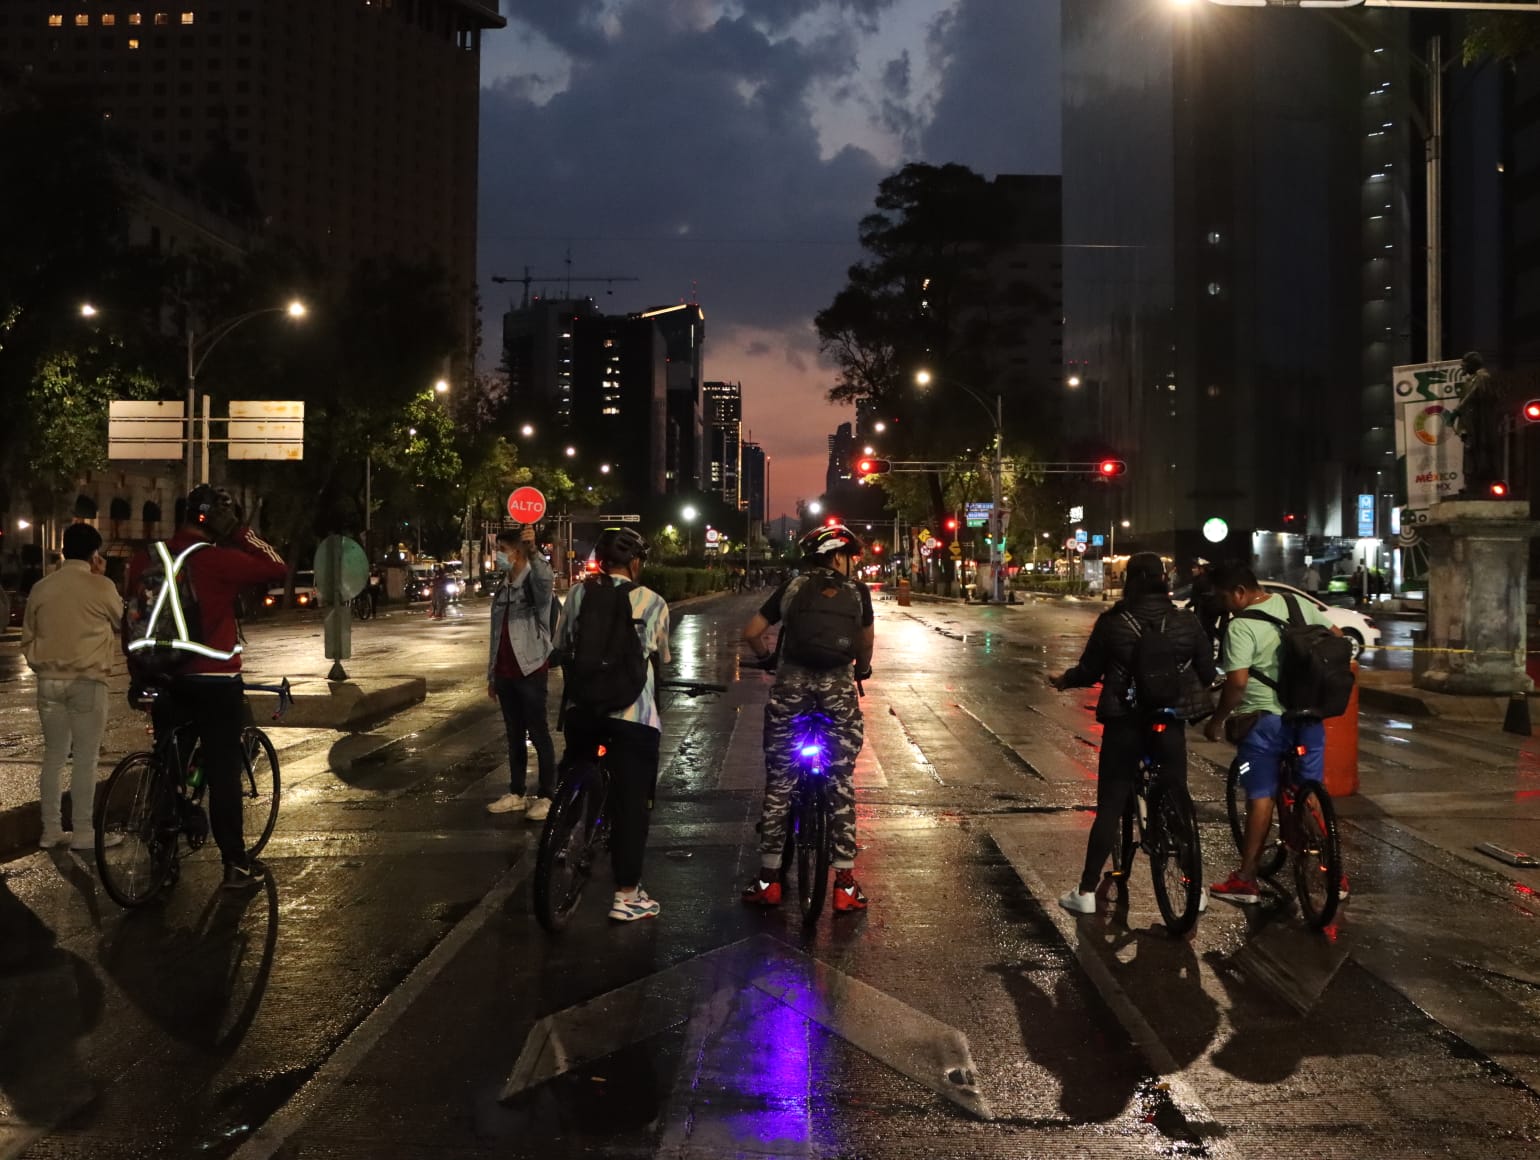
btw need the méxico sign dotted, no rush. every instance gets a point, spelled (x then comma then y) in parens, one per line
(1427, 449)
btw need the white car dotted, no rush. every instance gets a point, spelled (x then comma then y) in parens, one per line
(1354, 624)
(306, 595)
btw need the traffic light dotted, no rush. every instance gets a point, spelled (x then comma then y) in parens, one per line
(951, 524)
(869, 466)
(1532, 411)
(877, 549)
(1108, 468)
(1497, 489)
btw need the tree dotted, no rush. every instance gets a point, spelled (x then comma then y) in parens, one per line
(1505, 37)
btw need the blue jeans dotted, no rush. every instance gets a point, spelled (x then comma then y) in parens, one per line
(1261, 753)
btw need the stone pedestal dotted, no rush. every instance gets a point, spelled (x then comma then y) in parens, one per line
(1478, 565)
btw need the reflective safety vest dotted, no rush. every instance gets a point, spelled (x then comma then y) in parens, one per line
(168, 599)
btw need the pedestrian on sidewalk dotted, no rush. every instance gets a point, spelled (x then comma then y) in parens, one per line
(69, 637)
(519, 669)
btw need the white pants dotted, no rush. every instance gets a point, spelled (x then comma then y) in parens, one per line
(74, 715)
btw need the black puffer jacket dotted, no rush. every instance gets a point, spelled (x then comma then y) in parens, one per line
(1109, 654)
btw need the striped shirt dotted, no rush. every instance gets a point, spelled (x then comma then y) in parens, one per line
(650, 611)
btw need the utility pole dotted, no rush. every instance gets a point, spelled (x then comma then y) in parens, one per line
(1435, 179)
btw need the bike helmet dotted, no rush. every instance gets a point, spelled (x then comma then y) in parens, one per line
(823, 544)
(619, 546)
(214, 509)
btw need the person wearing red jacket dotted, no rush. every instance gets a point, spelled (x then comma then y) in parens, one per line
(207, 692)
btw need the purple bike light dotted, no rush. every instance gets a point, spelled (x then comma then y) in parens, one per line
(811, 750)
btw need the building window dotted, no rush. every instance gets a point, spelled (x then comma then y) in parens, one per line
(135, 18)
(187, 18)
(108, 19)
(56, 20)
(162, 18)
(82, 20)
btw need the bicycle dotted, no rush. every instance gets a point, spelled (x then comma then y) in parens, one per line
(1161, 821)
(807, 822)
(577, 831)
(362, 606)
(152, 804)
(1304, 827)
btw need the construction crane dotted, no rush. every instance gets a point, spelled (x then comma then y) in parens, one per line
(569, 277)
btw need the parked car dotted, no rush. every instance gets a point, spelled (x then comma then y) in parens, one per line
(306, 595)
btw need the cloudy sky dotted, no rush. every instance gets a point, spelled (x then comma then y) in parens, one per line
(726, 149)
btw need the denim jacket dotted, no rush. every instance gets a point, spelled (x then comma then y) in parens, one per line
(530, 631)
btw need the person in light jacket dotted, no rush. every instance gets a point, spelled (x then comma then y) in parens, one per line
(519, 669)
(70, 639)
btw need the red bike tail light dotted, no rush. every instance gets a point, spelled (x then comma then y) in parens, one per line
(1159, 727)
(1300, 750)
(603, 750)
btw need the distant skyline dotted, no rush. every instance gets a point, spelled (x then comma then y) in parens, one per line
(725, 150)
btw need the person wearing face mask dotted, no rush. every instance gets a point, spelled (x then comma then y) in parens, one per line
(519, 668)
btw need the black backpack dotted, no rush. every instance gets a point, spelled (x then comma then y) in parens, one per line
(606, 670)
(162, 626)
(822, 628)
(1315, 666)
(1155, 680)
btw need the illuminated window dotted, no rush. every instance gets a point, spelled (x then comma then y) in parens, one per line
(162, 18)
(82, 20)
(56, 20)
(108, 19)
(187, 18)
(133, 45)
(135, 18)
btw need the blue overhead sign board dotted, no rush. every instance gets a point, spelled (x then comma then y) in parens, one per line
(1365, 517)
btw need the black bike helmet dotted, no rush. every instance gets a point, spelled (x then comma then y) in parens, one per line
(823, 544)
(617, 547)
(213, 508)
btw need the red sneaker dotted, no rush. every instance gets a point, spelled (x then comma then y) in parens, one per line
(847, 893)
(762, 893)
(1236, 889)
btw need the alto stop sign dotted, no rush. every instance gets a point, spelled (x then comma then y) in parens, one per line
(526, 505)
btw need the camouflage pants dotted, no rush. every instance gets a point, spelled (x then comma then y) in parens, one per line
(795, 694)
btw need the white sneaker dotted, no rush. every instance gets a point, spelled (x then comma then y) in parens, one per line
(52, 838)
(631, 909)
(89, 844)
(1203, 901)
(538, 809)
(1077, 902)
(509, 803)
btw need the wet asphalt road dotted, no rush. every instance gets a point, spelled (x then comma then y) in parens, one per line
(390, 995)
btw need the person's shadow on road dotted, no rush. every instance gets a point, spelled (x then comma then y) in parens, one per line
(50, 998)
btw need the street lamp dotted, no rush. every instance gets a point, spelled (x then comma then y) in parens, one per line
(879, 426)
(571, 451)
(527, 430)
(996, 479)
(604, 469)
(1072, 382)
(198, 351)
(22, 525)
(814, 507)
(688, 516)
(87, 310)
(442, 386)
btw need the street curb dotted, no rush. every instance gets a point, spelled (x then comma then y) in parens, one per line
(1394, 702)
(345, 706)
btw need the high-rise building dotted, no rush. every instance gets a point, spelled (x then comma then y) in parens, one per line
(345, 125)
(683, 327)
(1219, 273)
(756, 482)
(619, 401)
(724, 437)
(842, 455)
(538, 346)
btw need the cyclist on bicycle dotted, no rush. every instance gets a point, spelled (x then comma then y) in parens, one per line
(826, 618)
(206, 691)
(1261, 731)
(630, 735)
(1110, 658)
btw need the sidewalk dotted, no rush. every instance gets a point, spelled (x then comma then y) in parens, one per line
(1393, 692)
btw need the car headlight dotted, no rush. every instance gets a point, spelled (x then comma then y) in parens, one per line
(269, 601)
(303, 598)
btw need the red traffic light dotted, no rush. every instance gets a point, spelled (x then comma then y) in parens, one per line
(1107, 468)
(867, 467)
(1532, 411)
(1497, 489)
(951, 525)
(876, 549)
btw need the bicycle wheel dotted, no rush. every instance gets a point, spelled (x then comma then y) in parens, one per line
(1176, 857)
(812, 823)
(138, 806)
(1317, 856)
(1124, 848)
(565, 858)
(1273, 850)
(259, 784)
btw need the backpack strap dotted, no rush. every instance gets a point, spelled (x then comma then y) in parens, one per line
(1295, 617)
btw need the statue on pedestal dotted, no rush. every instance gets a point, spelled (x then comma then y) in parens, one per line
(1479, 422)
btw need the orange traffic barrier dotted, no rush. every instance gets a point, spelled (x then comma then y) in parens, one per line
(1342, 748)
(903, 594)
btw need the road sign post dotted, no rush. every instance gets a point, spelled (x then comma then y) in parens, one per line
(341, 573)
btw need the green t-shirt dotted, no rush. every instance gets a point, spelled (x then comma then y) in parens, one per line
(1253, 644)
